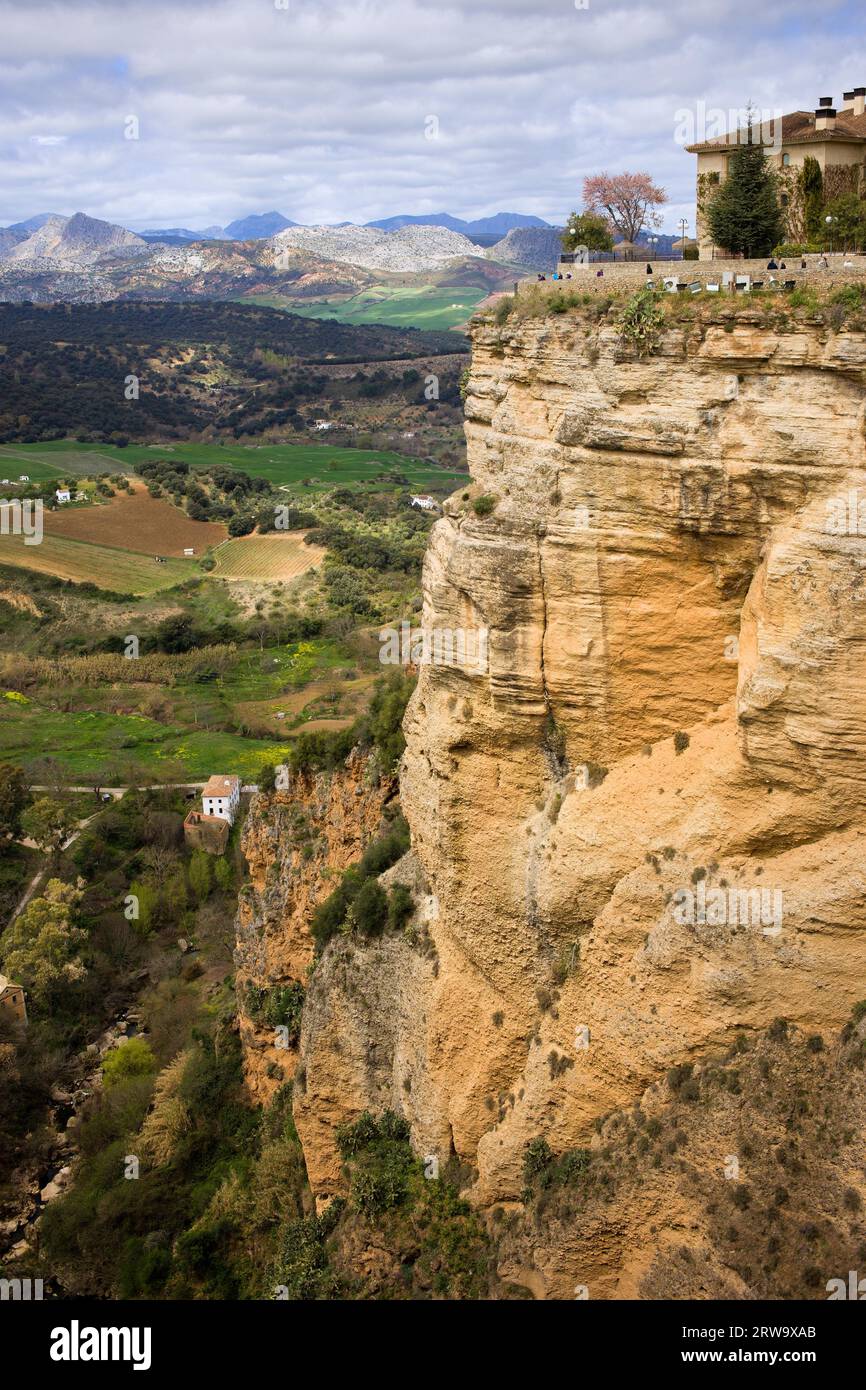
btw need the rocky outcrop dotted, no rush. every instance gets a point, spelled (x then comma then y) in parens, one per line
(296, 841)
(639, 832)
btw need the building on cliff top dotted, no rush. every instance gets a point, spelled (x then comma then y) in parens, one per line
(834, 136)
(12, 1003)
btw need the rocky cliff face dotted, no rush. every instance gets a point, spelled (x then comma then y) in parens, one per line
(638, 834)
(296, 843)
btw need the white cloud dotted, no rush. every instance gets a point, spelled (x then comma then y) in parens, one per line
(320, 110)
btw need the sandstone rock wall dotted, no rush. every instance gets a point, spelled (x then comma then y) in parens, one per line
(675, 697)
(296, 843)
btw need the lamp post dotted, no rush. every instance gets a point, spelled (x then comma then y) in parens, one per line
(683, 225)
(653, 243)
(830, 220)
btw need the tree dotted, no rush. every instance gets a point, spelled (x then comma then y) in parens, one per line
(223, 873)
(629, 200)
(370, 908)
(13, 799)
(587, 229)
(745, 216)
(267, 777)
(200, 875)
(849, 222)
(132, 1058)
(48, 824)
(812, 189)
(147, 898)
(41, 947)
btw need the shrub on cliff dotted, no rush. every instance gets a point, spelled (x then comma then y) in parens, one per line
(484, 505)
(641, 322)
(353, 903)
(369, 912)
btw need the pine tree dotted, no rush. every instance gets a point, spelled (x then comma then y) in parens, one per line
(812, 188)
(745, 215)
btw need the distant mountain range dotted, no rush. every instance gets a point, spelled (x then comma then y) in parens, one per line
(261, 225)
(82, 259)
(500, 224)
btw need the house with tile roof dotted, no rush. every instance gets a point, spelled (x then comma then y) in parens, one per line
(833, 135)
(221, 797)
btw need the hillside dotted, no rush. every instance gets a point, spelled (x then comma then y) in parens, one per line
(529, 248)
(73, 241)
(412, 248)
(239, 369)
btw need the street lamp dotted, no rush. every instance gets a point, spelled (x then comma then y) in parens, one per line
(683, 225)
(830, 220)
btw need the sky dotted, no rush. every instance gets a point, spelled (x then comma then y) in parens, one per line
(195, 112)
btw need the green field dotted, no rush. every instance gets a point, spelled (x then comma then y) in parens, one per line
(430, 306)
(129, 747)
(306, 467)
(93, 743)
(119, 571)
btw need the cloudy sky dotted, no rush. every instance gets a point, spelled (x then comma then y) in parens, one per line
(332, 110)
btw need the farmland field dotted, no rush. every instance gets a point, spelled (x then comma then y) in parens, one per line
(308, 468)
(120, 571)
(139, 523)
(264, 558)
(430, 306)
(89, 742)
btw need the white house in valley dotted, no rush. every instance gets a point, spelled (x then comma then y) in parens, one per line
(221, 797)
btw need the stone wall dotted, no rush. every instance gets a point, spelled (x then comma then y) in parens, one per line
(632, 274)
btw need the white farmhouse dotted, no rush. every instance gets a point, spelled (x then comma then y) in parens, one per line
(63, 494)
(221, 797)
(24, 478)
(427, 504)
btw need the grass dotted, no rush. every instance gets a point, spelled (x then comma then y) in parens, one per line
(306, 680)
(91, 742)
(431, 306)
(119, 571)
(311, 467)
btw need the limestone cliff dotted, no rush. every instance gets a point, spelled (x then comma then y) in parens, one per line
(674, 716)
(296, 842)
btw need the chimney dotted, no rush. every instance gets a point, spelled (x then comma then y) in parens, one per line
(825, 116)
(859, 101)
(847, 103)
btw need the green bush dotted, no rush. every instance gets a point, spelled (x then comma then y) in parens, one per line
(484, 505)
(380, 1161)
(537, 1157)
(330, 916)
(370, 909)
(133, 1058)
(641, 321)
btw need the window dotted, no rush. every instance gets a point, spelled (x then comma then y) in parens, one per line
(786, 159)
